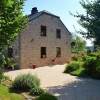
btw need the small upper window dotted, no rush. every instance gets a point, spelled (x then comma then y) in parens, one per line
(43, 30)
(58, 33)
(58, 52)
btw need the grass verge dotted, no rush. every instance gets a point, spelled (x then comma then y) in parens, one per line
(6, 95)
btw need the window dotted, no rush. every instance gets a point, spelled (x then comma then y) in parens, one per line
(58, 33)
(43, 52)
(10, 52)
(43, 30)
(58, 51)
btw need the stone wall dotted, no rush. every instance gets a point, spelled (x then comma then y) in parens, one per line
(31, 42)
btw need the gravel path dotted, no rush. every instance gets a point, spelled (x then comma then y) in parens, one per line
(64, 86)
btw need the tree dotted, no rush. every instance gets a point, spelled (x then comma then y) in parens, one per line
(78, 44)
(12, 21)
(90, 20)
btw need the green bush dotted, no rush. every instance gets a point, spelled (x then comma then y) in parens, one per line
(72, 66)
(87, 65)
(46, 96)
(10, 63)
(94, 54)
(75, 58)
(92, 65)
(79, 56)
(25, 82)
(1, 76)
(37, 91)
(81, 72)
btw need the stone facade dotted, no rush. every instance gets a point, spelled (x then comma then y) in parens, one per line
(30, 41)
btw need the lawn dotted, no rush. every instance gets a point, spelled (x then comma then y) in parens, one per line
(6, 95)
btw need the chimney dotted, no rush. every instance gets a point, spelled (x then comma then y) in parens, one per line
(34, 10)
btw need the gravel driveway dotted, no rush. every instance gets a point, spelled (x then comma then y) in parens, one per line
(64, 86)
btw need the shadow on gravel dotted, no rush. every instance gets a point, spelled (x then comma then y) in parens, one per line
(82, 89)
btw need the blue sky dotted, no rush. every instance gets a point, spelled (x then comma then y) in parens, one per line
(60, 8)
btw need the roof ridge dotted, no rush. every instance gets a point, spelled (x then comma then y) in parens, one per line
(32, 17)
(45, 11)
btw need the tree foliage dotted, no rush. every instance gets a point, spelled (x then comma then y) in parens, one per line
(12, 21)
(90, 20)
(78, 44)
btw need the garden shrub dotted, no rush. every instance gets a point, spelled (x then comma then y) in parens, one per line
(37, 91)
(72, 66)
(94, 54)
(25, 82)
(81, 72)
(89, 62)
(97, 72)
(84, 58)
(87, 65)
(46, 96)
(92, 65)
(10, 63)
(75, 58)
(79, 56)
(1, 76)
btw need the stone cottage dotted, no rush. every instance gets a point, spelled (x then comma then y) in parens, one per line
(45, 41)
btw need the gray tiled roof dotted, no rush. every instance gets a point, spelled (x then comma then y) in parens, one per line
(34, 16)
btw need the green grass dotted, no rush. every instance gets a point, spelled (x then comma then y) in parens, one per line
(6, 95)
